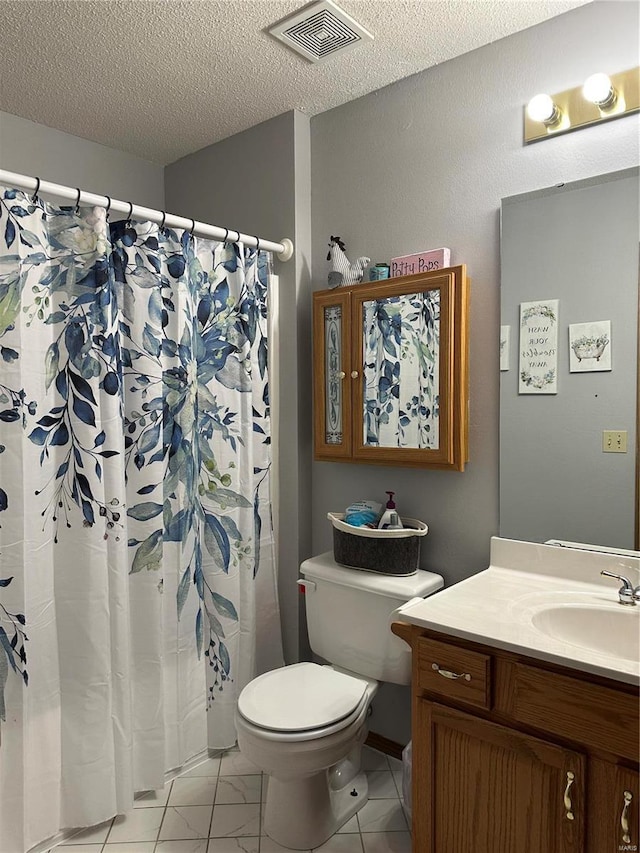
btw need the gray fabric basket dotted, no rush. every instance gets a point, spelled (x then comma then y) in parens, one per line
(389, 552)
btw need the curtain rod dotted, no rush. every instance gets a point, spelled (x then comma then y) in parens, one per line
(283, 250)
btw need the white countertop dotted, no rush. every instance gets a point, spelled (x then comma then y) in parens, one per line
(503, 606)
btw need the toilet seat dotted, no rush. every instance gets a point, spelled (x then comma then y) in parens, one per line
(303, 701)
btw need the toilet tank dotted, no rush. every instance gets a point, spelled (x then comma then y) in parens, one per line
(349, 613)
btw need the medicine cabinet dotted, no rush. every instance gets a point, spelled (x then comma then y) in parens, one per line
(391, 371)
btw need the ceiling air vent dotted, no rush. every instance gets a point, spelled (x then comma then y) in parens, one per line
(320, 31)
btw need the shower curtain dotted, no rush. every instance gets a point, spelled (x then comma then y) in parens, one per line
(137, 576)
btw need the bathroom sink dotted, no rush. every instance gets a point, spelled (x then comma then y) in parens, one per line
(613, 630)
(545, 602)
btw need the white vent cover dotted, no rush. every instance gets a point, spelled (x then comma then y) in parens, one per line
(319, 31)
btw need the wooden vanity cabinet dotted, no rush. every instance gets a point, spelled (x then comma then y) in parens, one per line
(390, 371)
(521, 756)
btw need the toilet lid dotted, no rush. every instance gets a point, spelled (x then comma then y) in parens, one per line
(300, 696)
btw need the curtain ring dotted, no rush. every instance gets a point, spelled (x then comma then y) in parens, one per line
(193, 227)
(164, 216)
(108, 207)
(226, 234)
(77, 208)
(257, 245)
(130, 212)
(238, 239)
(34, 197)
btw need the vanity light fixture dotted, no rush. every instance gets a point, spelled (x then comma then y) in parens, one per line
(601, 98)
(541, 108)
(598, 90)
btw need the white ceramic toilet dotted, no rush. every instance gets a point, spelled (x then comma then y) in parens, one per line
(304, 724)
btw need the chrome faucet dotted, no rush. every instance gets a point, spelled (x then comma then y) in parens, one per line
(627, 594)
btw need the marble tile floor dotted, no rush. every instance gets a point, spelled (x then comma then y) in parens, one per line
(216, 807)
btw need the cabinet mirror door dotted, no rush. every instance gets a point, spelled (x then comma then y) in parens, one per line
(410, 390)
(332, 379)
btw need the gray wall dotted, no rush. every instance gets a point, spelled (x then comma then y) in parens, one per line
(35, 150)
(424, 163)
(258, 181)
(578, 244)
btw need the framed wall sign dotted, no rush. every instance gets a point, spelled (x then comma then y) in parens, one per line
(590, 346)
(538, 347)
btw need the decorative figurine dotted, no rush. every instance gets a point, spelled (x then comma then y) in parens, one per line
(344, 272)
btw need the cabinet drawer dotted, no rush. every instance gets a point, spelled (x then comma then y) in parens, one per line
(592, 714)
(455, 672)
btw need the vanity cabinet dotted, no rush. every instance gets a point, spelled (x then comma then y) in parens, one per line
(517, 755)
(391, 371)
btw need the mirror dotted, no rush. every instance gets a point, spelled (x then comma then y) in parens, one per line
(401, 353)
(333, 377)
(577, 244)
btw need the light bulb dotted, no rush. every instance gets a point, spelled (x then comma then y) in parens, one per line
(599, 90)
(541, 108)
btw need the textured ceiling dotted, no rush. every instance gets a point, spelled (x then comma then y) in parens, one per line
(163, 79)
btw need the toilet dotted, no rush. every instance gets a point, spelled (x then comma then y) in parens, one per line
(304, 724)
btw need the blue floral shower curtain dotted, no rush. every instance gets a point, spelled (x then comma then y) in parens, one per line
(137, 574)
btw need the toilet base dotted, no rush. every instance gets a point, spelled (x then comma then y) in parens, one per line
(304, 813)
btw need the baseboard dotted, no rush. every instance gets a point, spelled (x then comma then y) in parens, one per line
(383, 744)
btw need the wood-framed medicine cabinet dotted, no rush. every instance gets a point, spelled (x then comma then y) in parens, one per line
(390, 364)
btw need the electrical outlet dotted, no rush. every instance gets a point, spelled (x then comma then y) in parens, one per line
(614, 441)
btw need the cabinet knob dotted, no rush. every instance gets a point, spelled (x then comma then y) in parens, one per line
(624, 820)
(341, 374)
(354, 374)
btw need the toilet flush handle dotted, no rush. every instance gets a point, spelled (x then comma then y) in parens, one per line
(305, 586)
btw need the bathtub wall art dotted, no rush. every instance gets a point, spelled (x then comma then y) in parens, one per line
(590, 346)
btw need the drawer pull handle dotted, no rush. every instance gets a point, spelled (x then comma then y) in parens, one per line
(567, 795)
(446, 673)
(624, 820)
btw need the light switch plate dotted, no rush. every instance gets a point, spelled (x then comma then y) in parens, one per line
(614, 441)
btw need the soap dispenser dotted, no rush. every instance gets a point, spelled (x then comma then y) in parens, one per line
(385, 519)
(394, 523)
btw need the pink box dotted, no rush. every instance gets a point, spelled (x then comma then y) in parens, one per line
(434, 259)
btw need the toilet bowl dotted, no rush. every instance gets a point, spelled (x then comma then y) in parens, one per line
(304, 724)
(312, 758)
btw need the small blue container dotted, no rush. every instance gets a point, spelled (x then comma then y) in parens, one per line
(379, 272)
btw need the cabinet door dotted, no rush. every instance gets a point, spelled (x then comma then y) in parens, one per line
(483, 788)
(613, 819)
(332, 374)
(409, 353)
